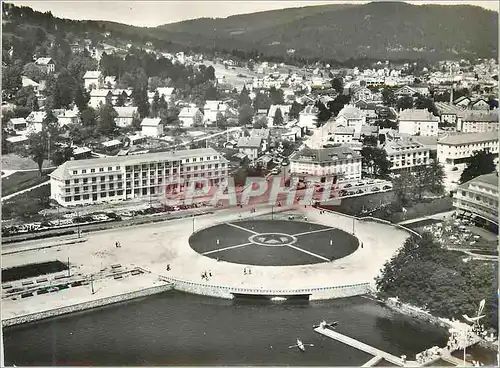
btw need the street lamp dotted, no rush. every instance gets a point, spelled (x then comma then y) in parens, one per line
(193, 223)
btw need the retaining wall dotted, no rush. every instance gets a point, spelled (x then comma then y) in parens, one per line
(86, 305)
(226, 292)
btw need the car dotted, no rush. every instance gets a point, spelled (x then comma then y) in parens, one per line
(370, 182)
(360, 184)
(359, 191)
(275, 171)
(351, 193)
(454, 168)
(386, 187)
(375, 189)
(347, 185)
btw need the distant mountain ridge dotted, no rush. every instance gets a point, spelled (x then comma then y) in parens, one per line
(375, 30)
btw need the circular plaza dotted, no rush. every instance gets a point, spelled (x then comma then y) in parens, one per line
(273, 243)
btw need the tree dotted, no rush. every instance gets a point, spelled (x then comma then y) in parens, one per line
(81, 98)
(375, 161)
(386, 124)
(388, 98)
(61, 155)
(26, 97)
(211, 93)
(337, 84)
(405, 102)
(245, 115)
(261, 123)
(481, 163)
(34, 72)
(244, 98)
(323, 115)
(431, 178)
(295, 110)
(88, 117)
(106, 121)
(338, 104)
(406, 188)
(121, 99)
(37, 149)
(155, 105)
(425, 103)
(278, 117)
(11, 81)
(140, 98)
(276, 96)
(262, 101)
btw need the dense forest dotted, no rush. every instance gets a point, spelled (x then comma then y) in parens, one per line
(343, 35)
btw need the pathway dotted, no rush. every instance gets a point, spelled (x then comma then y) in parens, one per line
(437, 216)
(7, 197)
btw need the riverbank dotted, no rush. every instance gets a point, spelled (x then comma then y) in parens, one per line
(76, 299)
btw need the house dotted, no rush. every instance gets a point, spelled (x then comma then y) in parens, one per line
(112, 144)
(125, 116)
(261, 133)
(351, 116)
(190, 116)
(339, 164)
(449, 114)
(166, 92)
(109, 82)
(27, 82)
(361, 93)
(285, 110)
(478, 121)
(343, 134)
(152, 127)
(19, 125)
(67, 117)
(92, 79)
(136, 139)
(18, 140)
(35, 121)
(418, 122)
(211, 110)
(81, 153)
(99, 97)
(251, 147)
(46, 64)
(480, 104)
(405, 91)
(307, 117)
(463, 102)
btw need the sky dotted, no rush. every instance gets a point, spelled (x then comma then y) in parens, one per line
(153, 13)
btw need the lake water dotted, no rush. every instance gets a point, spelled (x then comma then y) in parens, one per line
(181, 329)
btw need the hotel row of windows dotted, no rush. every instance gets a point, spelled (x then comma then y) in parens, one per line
(146, 166)
(478, 198)
(144, 174)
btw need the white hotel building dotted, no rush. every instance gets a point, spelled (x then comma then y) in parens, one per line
(341, 163)
(456, 149)
(478, 198)
(107, 179)
(406, 153)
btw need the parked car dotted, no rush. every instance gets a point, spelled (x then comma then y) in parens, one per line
(347, 185)
(370, 182)
(375, 189)
(351, 193)
(454, 168)
(386, 187)
(359, 191)
(360, 184)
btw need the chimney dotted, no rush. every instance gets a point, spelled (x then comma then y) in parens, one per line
(451, 95)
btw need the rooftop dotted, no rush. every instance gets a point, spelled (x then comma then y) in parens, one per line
(63, 170)
(479, 116)
(125, 111)
(151, 122)
(488, 180)
(325, 154)
(417, 115)
(92, 74)
(458, 139)
(249, 142)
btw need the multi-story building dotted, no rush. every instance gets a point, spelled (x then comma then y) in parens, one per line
(478, 121)
(108, 179)
(457, 148)
(418, 122)
(478, 198)
(340, 163)
(406, 153)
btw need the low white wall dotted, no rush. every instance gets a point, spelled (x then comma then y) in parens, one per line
(226, 292)
(85, 306)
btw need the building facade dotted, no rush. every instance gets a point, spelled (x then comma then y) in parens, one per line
(456, 149)
(478, 198)
(117, 178)
(340, 163)
(406, 154)
(476, 122)
(418, 122)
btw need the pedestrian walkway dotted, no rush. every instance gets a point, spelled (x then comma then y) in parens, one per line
(7, 197)
(437, 216)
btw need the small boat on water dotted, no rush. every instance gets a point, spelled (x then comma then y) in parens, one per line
(300, 345)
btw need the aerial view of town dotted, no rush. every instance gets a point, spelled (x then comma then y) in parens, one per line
(249, 183)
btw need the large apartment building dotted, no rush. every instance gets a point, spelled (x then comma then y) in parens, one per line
(418, 122)
(341, 163)
(457, 148)
(478, 121)
(478, 198)
(406, 153)
(107, 179)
